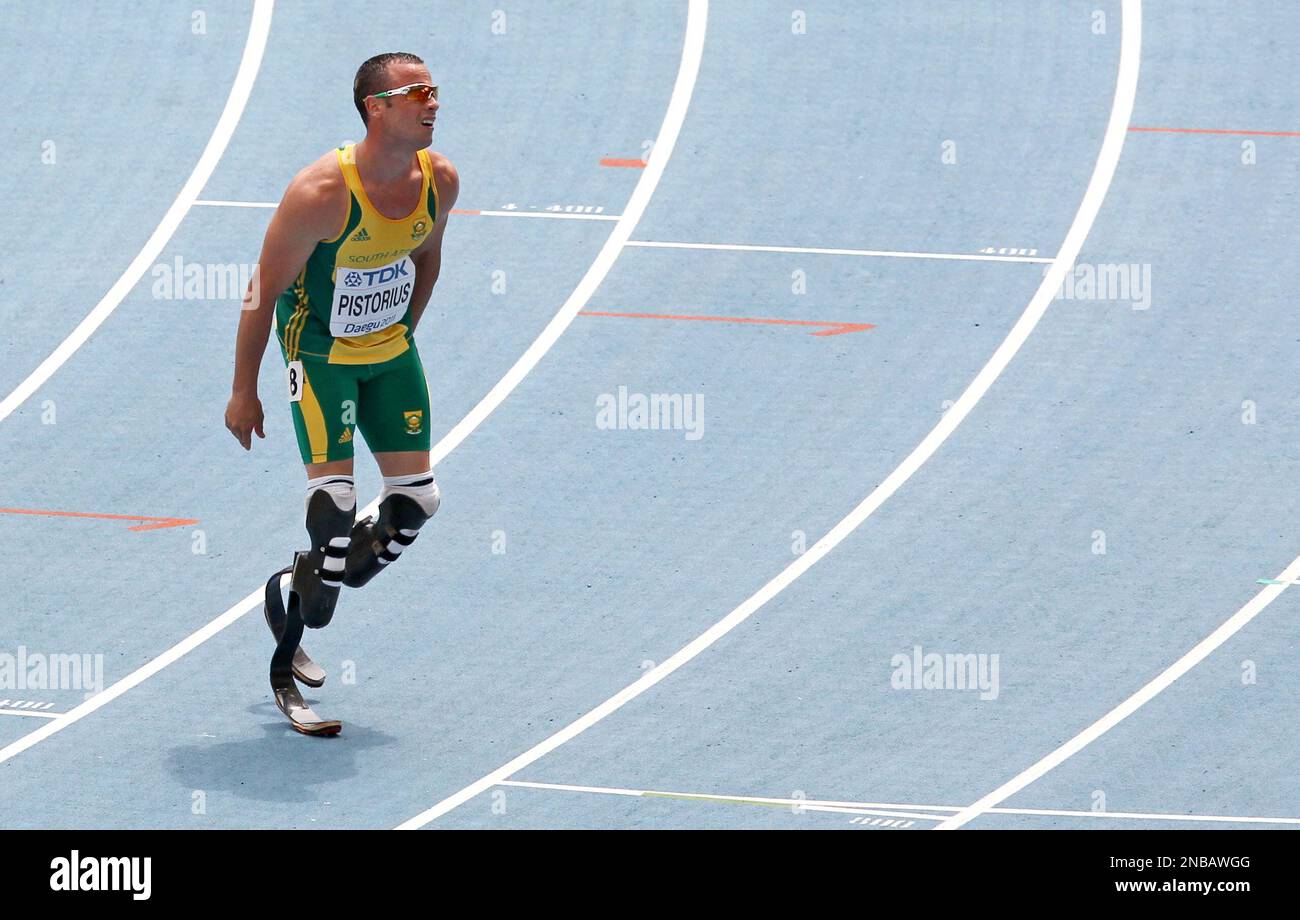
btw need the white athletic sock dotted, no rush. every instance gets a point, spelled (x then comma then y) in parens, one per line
(417, 486)
(340, 488)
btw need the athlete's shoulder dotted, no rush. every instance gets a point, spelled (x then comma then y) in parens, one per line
(446, 177)
(319, 181)
(318, 195)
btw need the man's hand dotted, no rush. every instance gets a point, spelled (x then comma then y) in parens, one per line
(243, 417)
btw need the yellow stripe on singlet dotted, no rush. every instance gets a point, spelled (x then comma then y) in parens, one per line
(293, 332)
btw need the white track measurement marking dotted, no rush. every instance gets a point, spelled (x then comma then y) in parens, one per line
(237, 204)
(1195, 656)
(28, 712)
(550, 215)
(1142, 816)
(663, 148)
(258, 29)
(1103, 173)
(883, 253)
(848, 808)
(723, 247)
(908, 809)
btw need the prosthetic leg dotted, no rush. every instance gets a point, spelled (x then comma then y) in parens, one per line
(316, 577)
(376, 544)
(305, 670)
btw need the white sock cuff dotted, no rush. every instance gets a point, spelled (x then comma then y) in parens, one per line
(426, 494)
(408, 479)
(341, 488)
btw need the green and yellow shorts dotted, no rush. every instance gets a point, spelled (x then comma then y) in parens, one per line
(388, 402)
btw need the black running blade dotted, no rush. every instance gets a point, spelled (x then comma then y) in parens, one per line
(304, 668)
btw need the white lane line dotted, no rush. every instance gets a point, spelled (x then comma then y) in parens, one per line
(884, 253)
(911, 807)
(613, 790)
(1142, 816)
(551, 215)
(237, 204)
(258, 29)
(1053, 278)
(848, 808)
(734, 247)
(27, 712)
(645, 187)
(1195, 656)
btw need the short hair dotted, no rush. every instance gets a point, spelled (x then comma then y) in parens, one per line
(372, 74)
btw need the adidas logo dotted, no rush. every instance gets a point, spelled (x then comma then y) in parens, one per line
(346, 436)
(361, 236)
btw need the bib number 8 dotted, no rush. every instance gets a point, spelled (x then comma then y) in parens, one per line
(294, 374)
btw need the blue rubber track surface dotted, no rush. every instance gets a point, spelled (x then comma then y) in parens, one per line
(1108, 503)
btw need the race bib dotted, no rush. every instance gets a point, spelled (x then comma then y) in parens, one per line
(369, 299)
(293, 373)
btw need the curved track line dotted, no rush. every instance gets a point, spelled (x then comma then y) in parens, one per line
(1195, 656)
(645, 187)
(258, 29)
(1103, 173)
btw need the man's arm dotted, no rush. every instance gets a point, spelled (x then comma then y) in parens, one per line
(310, 211)
(428, 255)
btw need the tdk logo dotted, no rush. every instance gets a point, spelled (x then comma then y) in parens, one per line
(385, 274)
(352, 279)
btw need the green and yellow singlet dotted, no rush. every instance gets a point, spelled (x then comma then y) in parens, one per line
(351, 303)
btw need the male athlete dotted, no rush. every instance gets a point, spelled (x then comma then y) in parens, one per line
(347, 266)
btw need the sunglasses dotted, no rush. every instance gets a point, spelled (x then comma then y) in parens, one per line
(416, 92)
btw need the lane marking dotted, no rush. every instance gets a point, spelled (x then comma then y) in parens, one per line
(835, 328)
(162, 522)
(467, 212)
(28, 712)
(236, 204)
(552, 215)
(903, 809)
(258, 29)
(725, 247)
(1153, 688)
(851, 808)
(1218, 131)
(810, 250)
(693, 44)
(1143, 816)
(623, 163)
(1103, 172)
(744, 800)
(1274, 581)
